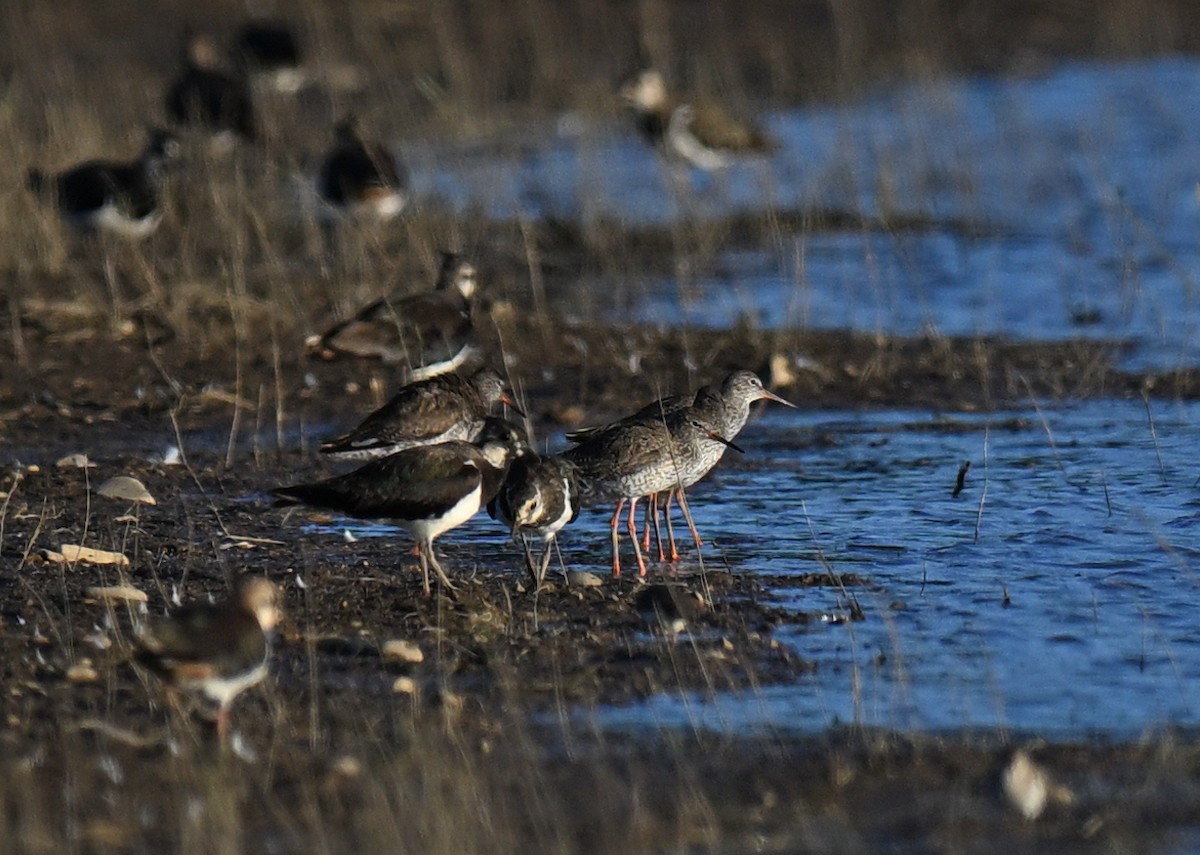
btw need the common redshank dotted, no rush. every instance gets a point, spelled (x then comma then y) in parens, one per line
(723, 411)
(638, 458)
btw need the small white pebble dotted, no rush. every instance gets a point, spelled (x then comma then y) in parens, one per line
(82, 672)
(126, 488)
(347, 766)
(242, 748)
(75, 461)
(1026, 785)
(584, 579)
(401, 650)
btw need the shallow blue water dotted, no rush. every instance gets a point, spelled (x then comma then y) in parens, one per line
(1085, 522)
(1092, 536)
(1084, 182)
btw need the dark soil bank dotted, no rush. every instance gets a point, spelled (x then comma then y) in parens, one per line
(491, 725)
(393, 722)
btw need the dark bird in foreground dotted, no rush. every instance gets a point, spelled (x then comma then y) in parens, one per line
(425, 490)
(703, 135)
(120, 198)
(360, 177)
(668, 608)
(539, 497)
(214, 650)
(442, 408)
(430, 333)
(206, 97)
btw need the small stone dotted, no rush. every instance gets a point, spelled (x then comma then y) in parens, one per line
(584, 579)
(1026, 785)
(98, 640)
(402, 650)
(404, 686)
(126, 488)
(347, 767)
(82, 672)
(75, 461)
(780, 371)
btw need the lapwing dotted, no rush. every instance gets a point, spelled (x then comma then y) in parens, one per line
(361, 178)
(206, 97)
(539, 497)
(214, 650)
(119, 198)
(268, 52)
(703, 135)
(426, 490)
(428, 333)
(426, 412)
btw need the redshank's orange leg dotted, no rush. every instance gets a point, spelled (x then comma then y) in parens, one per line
(670, 528)
(637, 547)
(616, 517)
(687, 515)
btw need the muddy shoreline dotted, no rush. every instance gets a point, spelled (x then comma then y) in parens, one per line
(497, 658)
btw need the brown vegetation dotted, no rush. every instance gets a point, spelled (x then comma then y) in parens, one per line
(197, 336)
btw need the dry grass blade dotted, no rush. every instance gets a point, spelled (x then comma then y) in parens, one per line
(118, 594)
(73, 553)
